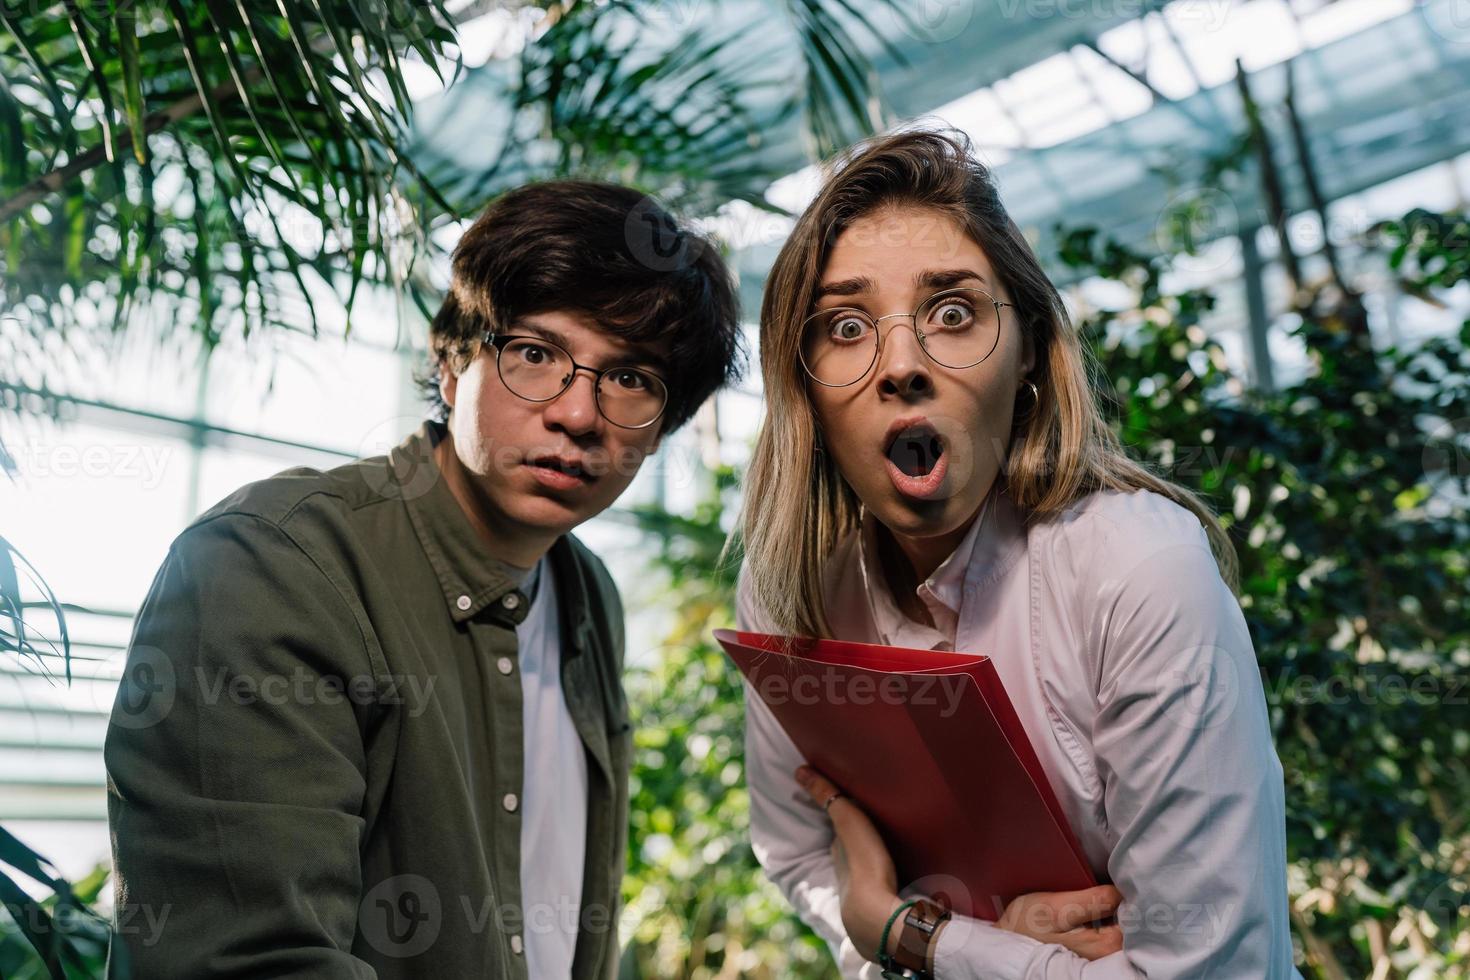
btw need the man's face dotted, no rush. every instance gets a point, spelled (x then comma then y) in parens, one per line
(499, 437)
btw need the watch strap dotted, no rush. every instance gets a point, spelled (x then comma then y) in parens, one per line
(919, 924)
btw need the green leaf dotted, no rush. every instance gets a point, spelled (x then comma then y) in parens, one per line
(93, 60)
(127, 46)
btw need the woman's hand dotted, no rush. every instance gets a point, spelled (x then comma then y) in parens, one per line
(868, 887)
(866, 879)
(1063, 918)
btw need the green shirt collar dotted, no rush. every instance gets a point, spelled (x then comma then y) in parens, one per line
(470, 577)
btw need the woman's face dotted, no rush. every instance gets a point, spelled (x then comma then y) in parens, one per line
(883, 431)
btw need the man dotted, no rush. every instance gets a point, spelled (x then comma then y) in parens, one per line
(371, 722)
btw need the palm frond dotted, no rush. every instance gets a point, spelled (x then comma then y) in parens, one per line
(236, 106)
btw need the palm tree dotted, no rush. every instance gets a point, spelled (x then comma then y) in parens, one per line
(198, 163)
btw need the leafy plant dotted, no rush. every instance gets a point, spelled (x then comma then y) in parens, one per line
(217, 167)
(703, 907)
(60, 935)
(1346, 493)
(195, 162)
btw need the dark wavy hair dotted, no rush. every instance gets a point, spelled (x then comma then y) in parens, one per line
(605, 251)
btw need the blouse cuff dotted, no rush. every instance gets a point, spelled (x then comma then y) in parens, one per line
(973, 949)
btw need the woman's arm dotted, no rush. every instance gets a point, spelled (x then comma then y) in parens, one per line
(1192, 790)
(792, 839)
(791, 836)
(867, 882)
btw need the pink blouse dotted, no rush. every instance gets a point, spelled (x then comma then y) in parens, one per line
(1130, 665)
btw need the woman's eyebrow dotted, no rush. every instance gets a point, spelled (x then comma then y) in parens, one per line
(944, 278)
(844, 287)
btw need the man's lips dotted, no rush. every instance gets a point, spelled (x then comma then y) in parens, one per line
(572, 466)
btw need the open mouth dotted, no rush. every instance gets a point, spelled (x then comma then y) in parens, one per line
(916, 451)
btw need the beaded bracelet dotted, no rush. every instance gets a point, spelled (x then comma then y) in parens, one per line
(885, 960)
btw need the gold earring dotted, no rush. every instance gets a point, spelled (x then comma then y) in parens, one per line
(1035, 398)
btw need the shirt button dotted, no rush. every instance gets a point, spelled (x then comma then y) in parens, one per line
(504, 664)
(511, 600)
(515, 945)
(463, 602)
(510, 802)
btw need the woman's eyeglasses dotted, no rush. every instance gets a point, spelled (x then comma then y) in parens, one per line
(957, 328)
(538, 371)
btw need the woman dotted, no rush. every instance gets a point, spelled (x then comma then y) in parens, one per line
(933, 472)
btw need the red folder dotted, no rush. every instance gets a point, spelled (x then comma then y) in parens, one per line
(928, 744)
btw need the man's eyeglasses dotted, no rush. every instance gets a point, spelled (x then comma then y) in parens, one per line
(957, 328)
(538, 371)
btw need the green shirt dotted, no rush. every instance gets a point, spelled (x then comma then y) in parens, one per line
(315, 758)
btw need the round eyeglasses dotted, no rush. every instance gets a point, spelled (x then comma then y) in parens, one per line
(539, 370)
(957, 328)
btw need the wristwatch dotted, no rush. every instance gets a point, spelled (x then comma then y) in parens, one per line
(919, 924)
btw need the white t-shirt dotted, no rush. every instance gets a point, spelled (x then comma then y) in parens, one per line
(554, 797)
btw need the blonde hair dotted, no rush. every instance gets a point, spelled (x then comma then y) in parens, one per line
(1061, 451)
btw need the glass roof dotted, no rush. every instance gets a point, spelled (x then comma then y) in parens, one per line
(1113, 129)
